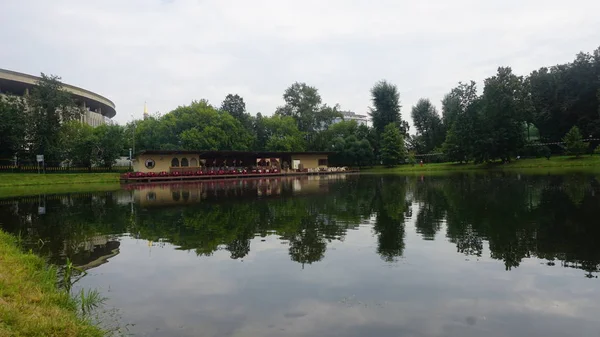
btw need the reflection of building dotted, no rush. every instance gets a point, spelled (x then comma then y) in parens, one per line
(352, 116)
(166, 194)
(93, 252)
(97, 109)
(170, 161)
(122, 197)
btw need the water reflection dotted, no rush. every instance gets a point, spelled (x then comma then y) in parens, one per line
(460, 255)
(549, 217)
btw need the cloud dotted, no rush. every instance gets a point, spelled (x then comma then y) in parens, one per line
(171, 52)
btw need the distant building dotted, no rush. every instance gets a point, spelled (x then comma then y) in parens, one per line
(97, 110)
(353, 116)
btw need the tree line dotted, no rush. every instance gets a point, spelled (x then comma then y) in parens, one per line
(551, 105)
(302, 123)
(47, 121)
(509, 118)
(511, 115)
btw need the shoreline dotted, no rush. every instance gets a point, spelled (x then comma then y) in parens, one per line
(30, 302)
(34, 179)
(47, 189)
(20, 184)
(555, 164)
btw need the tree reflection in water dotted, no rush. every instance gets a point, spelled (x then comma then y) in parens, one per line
(518, 216)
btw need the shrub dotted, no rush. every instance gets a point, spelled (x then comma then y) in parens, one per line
(574, 142)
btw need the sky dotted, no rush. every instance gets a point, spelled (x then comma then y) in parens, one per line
(170, 52)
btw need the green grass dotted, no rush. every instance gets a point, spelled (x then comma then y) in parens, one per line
(528, 165)
(30, 302)
(19, 191)
(33, 179)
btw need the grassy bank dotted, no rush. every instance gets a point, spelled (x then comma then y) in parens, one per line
(33, 179)
(555, 163)
(20, 191)
(30, 303)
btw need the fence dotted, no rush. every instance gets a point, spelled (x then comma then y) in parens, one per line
(59, 169)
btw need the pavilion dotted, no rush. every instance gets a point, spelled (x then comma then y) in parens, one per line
(172, 160)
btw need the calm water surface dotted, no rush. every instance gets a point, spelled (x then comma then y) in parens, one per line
(462, 255)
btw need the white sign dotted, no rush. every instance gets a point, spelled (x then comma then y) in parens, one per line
(40, 158)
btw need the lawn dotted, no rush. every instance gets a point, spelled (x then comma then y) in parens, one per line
(30, 302)
(34, 179)
(25, 190)
(555, 163)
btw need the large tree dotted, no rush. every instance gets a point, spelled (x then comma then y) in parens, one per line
(304, 104)
(49, 106)
(111, 143)
(150, 134)
(236, 107)
(260, 132)
(197, 126)
(504, 114)
(566, 95)
(234, 104)
(283, 134)
(464, 140)
(13, 122)
(386, 107)
(429, 125)
(393, 150)
(457, 101)
(79, 144)
(324, 139)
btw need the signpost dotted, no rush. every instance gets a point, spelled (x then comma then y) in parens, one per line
(40, 159)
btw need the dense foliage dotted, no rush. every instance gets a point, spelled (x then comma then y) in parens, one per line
(514, 116)
(428, 123)
(386, 107)
(511, 115)
(47, 122)
(12, 126)
(303, 123)
(517, 115)
(574, 142)
(392, 146)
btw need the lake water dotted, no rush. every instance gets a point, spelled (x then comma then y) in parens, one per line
(494, 254)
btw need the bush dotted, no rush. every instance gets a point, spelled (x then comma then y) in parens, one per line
(412, 159)
(597, 150)
(440, 157)
(574, 142)
(545, 151)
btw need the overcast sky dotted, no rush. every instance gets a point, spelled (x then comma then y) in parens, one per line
(169, 53)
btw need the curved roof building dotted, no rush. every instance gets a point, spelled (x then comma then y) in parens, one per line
(12, 82)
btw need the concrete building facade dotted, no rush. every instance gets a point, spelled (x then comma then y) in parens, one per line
(352, 116)
(97, 109)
